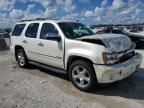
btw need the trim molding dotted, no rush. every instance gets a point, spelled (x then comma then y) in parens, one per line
(57, 57)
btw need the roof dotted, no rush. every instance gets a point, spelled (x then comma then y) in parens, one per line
(45, 20)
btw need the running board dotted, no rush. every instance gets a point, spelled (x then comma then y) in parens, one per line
(48, 67)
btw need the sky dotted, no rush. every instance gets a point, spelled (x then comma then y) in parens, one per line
(86, 11)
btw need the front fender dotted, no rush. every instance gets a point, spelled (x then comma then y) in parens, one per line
(90, 51)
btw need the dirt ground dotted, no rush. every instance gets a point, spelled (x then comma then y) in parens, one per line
(39, 88)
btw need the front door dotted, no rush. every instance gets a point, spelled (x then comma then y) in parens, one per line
(50, 51)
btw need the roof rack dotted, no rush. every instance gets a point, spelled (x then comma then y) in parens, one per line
(46, 19)
(27, 20)
(38, 19)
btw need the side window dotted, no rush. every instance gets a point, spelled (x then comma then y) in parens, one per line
(32, 29)
(48, 30)
(18, 29)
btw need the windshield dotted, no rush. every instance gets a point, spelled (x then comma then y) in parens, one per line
(75, 30)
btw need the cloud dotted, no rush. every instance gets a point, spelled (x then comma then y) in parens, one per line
(118, 4)
(89, 13)
(66, 5)
(72, 16)
(50, 12)
(104, 3)
(69, 6)
(29, 8)
(6, 5)
(99, 11)
(44, 3)
(16, 14)
(118, 12)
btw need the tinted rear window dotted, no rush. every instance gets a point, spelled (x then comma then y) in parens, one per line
(32, 29)
(18, 29)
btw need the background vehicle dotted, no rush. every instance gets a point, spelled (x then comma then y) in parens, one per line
(4, 34)
(138, 39)
(3, 44)
(72, 48)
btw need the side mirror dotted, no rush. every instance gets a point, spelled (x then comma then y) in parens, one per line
(54, 38)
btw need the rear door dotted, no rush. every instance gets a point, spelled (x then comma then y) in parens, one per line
(30, 41)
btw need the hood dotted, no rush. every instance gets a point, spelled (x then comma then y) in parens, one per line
(113, 42)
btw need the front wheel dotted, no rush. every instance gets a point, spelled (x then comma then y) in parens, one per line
(21, 58)
(82, 75)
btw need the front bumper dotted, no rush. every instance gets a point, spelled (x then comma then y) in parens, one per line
(112, 73)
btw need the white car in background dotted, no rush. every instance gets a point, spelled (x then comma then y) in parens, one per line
(138, 33)
(96, 30)
(72, 48)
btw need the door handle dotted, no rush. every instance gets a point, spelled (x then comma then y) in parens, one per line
(24, 41)
(40, 44)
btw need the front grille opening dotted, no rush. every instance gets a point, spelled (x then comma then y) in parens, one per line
(126, 57)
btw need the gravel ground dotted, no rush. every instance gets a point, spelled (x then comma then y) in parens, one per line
(39, 88)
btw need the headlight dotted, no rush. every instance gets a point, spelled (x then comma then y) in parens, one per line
(110, 58)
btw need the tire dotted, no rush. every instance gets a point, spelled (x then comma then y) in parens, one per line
(82, 75)
(21, 58)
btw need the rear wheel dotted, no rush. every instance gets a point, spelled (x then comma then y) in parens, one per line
(21, 58)
(82, 75)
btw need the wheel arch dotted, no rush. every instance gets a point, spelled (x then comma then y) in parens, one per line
(73, 58)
